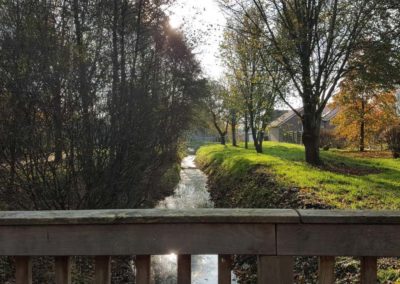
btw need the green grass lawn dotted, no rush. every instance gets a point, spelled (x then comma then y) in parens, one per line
(343, 182)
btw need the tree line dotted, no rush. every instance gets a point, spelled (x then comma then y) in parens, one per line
(94, 98)
(309, 50)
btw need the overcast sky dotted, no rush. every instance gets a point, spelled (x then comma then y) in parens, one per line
(204, 20)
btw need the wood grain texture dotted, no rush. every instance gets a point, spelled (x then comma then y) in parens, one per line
(23, 270)
(224, 269)
(164, 216)
(275, 269)
(143, 269)
(184, 269)
(148, 216)
(326, 270)
(134, 239)
(102, 270)
(368, 270)
(62, 269)
(338, 240)
(349, 217)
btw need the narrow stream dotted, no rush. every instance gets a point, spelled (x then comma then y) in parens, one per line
(191, 192)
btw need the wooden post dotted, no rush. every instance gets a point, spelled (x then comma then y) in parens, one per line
(63, 269)
(23, 270)
(326, 270)
(369, 270)
(143, 269)
(275, 269)
(102, 273)
(224, 269)
(184, 269)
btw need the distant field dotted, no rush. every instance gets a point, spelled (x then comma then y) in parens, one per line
(346, 180)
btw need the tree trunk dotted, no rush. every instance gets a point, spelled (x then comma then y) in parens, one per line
(311, 131)
(258, 142)
(58, 124)
(87, 147)
(246, 130)
(362, 136)
(233, 128)
(362, 127)
(223, 142)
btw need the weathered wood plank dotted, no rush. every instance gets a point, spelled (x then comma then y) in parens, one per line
(148, 216)
(102, 270)
(275, 269)
(326, 270)
(63, 269)
(143, 269)
(368, 270)
(184, 269)
(338, 240)
(349, 217)
(224, 269)
(134, 239)
(23, 270)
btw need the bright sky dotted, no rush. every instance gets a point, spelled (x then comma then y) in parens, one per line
(204, 20)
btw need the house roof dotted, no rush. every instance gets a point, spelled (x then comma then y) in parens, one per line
(327, 115)
(284, 118)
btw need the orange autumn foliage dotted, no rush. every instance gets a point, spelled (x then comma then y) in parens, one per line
(371, 108)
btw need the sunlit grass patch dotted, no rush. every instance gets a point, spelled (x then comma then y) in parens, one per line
(345, 180)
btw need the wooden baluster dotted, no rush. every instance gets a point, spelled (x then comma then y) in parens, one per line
(102, 270)
(184, 269)
(142, 269)
(369, 270)
(224, 269)
(23, 270)
(275, 269)
(63, 269)
(326, 270)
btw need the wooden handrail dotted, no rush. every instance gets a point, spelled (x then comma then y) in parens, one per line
(275, 236)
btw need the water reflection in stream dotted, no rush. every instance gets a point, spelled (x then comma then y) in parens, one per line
(191, 192)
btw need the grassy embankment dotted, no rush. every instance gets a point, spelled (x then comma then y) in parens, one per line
(345, 181)
(280, 178)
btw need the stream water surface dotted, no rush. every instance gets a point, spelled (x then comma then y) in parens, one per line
(191, 192)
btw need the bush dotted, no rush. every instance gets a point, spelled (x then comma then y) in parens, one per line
(393, 140)
(328, 139)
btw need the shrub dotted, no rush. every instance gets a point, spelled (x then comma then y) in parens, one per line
(393, 140)
(328, 139)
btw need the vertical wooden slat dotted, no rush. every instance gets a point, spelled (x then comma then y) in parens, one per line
(224, 269)
(326, 271)
(23, 270)
(143, 269)
(275, 269)
(369, 270)
(102, 270)
(184, 269)
(63, 269)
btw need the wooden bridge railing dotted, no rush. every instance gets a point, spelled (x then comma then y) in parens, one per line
(275, 236)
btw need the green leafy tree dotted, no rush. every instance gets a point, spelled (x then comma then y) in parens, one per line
(217, 104)
(254, 88)
(312, 42)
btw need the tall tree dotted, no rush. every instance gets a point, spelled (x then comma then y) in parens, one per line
(246, 63)
(363, 115)
(367, 94)
(95, 97)
(312, 41)
(216, 102)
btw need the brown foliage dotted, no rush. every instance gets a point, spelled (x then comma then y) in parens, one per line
(364, 114)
